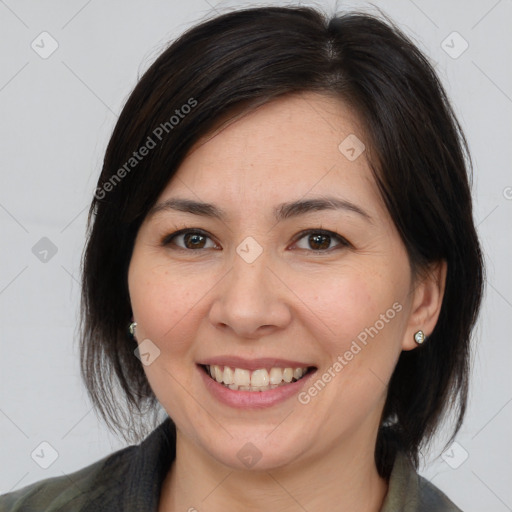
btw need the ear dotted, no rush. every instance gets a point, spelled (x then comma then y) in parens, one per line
(428, 292)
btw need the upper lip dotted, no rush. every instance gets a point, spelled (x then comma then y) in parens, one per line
(253, 364)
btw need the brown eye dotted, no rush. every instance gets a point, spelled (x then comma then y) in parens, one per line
(189, 240)
(320, 241)
(194, 241)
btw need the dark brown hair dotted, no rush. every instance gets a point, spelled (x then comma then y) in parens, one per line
(416, 150)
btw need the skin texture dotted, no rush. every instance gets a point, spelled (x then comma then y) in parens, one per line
(295, 301)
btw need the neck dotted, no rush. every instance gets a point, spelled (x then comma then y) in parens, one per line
(344, 478)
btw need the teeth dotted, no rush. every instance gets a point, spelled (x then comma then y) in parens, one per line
(276, 375)
(218, 374)
(239, 379)
(287, 374)
(259, 378)
(242, 377)
(229, 376)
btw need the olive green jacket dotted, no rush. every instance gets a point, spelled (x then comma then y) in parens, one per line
(130, 479)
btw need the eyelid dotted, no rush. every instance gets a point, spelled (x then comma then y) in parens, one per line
(343, 242)
(167, 239)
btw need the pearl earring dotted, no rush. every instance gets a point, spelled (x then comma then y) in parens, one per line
(131, 328)
(419, 337)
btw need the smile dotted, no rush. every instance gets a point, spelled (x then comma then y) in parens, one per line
(262, 379)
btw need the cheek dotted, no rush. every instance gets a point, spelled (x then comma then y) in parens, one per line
(164, 302)
(349, 306)
(359, 319)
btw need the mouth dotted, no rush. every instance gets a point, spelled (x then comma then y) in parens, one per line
(258, 380)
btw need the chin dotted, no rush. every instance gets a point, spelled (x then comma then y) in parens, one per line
(256, 451)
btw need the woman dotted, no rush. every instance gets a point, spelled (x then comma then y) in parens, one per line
(282, 256)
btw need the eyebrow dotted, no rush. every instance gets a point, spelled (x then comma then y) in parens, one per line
(281, 212)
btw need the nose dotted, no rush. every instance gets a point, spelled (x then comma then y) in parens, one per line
(250, 301)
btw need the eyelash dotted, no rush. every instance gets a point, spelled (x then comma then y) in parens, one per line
(342, 242)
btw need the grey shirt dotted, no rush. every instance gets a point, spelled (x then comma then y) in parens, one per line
(130, 480)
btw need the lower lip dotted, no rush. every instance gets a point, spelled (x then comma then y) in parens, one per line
(253, 399)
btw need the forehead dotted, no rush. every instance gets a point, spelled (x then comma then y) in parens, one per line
(288, 148)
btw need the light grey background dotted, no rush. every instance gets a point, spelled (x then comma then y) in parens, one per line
(56, 117)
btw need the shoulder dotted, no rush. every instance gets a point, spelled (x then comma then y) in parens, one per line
(410, 492)
(71, 492)
(128, 480)
(431, 498)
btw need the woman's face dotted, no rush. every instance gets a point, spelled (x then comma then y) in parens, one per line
(279, 285)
